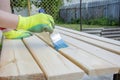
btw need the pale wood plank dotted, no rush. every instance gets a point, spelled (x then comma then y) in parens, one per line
(109, 56)
(101, 44)
(15, 52)
(90, 36)
(50, 62)
(25, 62)
(8, 69)
(71, 66)
(91, 49)
(7, 54)
(45, 37)
(91, 64)
(9, 72)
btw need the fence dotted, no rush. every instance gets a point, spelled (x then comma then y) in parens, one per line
(91, 10)
(32, 6)
(95, 12)
(69, 13)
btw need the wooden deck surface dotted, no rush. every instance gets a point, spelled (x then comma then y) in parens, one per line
(34, 58)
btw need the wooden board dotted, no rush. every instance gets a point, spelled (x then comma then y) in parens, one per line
(17, 63)
(104, 54)
(9, 72)
(101, 44)
(50, 62)
(91, 64)
(90, 36)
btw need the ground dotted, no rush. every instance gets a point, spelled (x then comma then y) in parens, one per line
(77, 26)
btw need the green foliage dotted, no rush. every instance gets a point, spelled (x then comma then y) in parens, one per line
(75, 21)
(51, 6)
(77, 26)
(59, 21)
(19, 4)
(101, 21)
(71, 26)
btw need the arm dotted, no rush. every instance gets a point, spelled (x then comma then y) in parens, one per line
(8, 20)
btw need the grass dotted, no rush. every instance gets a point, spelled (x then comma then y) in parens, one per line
(77, 26)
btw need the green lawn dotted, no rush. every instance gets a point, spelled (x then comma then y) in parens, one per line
(77, 26)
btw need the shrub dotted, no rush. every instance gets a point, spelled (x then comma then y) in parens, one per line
(101, 21)
(19, 4)
(75, 21)
(51, 6)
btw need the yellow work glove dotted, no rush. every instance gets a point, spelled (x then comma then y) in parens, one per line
(16, 34)
(37, 23)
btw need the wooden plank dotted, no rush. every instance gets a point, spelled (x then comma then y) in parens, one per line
(25, 62)
(91, 64)
(8, 69)
(6, 57)
(101, 44)
(110, 33)
(91, 49)
(9, 72)
(17, 62)
(90, 36)
(53, 67)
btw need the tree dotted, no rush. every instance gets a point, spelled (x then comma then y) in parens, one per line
(19, 4)
(51, 6)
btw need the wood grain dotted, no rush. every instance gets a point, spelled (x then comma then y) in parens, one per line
(90, 36)
(91, 64)
(91, 49)
(17, 63)
(108, 46)
(50, 61)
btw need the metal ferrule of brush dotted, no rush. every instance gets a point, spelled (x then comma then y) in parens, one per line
(55, 37)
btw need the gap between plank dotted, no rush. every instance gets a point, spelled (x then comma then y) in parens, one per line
(34, 59)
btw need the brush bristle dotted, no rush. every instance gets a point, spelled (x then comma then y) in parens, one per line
(57, 41)
(60, 44)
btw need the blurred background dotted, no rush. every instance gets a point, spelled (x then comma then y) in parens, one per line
(99, 17)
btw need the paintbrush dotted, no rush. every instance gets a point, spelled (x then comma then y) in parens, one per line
(55, 37)
(57, 41)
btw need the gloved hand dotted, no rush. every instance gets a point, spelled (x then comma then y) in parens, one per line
(36, 23)
(16, 34)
